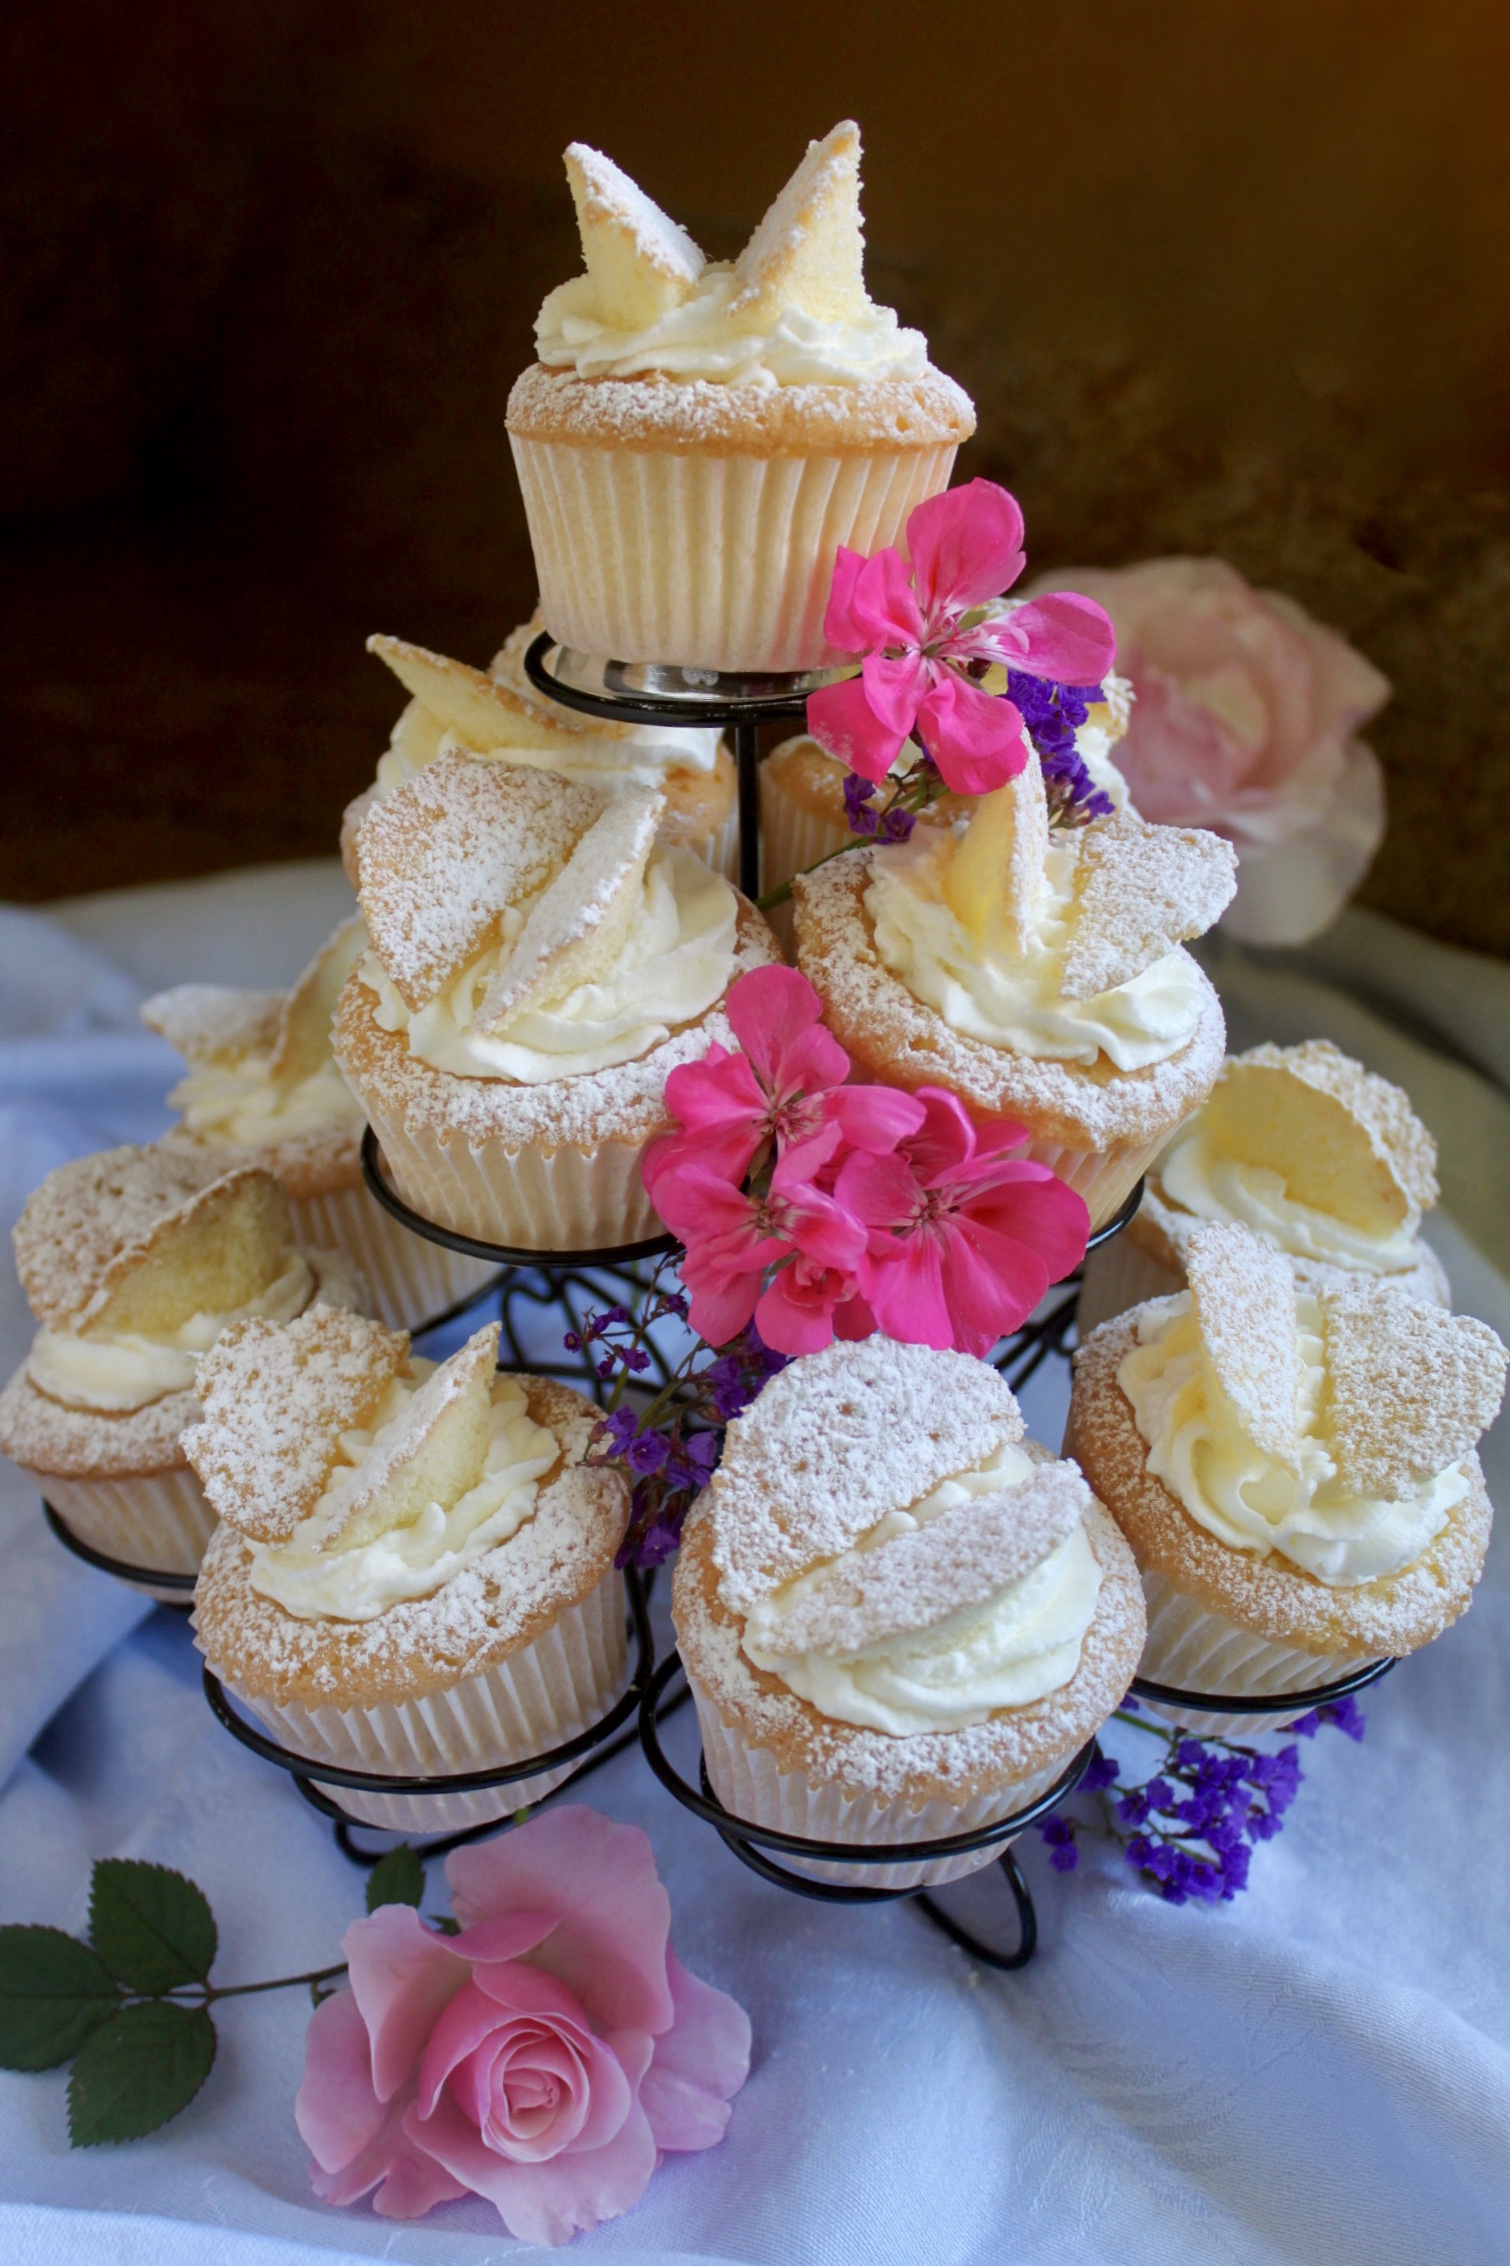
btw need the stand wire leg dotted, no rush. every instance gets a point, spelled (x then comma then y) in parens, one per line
(1027, 1922)
(745, 757)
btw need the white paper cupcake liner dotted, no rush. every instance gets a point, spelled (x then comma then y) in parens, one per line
(564, 1199)
(538, 1698)
(748, 1782)
(1104, 1177)
(156, 1519)
(1196, 1650)
(712, 562)
(721, 850)
(791, 837)
(1118, 1276)
(410, 1279)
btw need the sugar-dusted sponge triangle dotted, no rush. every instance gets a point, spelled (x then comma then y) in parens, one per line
(1244, 1298)
(1344, 1141)
(433, 1452)
(809, 250)
(576, 927)
(468, 702)
(303, 1042)
(640, 262)
(276, 1401)
(93, 1216)
(443, 855)
(962, 1557)
(215, 1023)
(1410, 1388)
(994, 877)
(1139, 891)
(215, 1252)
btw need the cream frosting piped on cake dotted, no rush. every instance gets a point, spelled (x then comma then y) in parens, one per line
(791, 310)
(260, 1067)
(1319, 1156)
(528, 929)
(1061, 946)
(1330, 1430)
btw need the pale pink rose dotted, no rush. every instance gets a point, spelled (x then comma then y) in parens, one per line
(1245, 722)
(544, 2058)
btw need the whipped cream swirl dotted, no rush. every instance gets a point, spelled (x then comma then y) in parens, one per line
(1204, 1178)
(1199, 1447)
(1015, 1002)
(675, 962)
(119, 1371)
(244, 1103)
(315, 1579)
(1011, 1648)
(702, 338)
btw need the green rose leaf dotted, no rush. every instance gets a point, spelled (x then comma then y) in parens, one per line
(137, 2070)
(153, 1929)
(398, 1878)
(53, 1992)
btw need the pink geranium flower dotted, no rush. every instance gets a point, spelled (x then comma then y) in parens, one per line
(964, 1239)
(732, 1238)
(544, 2058)
(926, 642)
(786, 1085)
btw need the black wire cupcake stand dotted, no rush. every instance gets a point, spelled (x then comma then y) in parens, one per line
(568, 1283)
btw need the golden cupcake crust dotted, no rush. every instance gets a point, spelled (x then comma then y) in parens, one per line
(491, 1610)
(952, 1765)
(626, 1103)
(693, 417)
(1396, 1614)
(43, 1436)
(317, 1163)
(900, 1039)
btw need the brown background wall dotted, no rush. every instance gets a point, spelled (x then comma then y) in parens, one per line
(1220, 278)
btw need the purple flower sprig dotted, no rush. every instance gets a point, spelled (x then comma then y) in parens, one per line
(1051, 716)
(671, 1448)
(1190, 1828)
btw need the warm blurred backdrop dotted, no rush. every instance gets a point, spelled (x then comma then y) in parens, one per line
(1220, 278)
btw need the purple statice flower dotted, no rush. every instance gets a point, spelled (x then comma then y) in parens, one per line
(858, 794)
(1051, 716)
(1101, 1774)
(1346, 1716)
(1059, 1833)
(897, 825)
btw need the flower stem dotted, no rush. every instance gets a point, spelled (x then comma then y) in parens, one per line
(206, 1993)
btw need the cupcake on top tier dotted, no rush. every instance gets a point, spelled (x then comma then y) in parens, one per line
(416, 1571)
(1294, 1469)
(540, 962)
(802, 813)
(900, 1620)
(501, 715)
(1034, 973)
(1325, 1161)
(134, 1261)
(697, 439)
(263, 1088)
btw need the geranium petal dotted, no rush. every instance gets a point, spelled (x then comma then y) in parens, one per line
(840, 627)
(1043, 1215)
(904, 1284)
(791, 1322)
(945, 1141)
(841, 719)
(1063, 636)
(699, 2065)
(896, 689)
(613, 1915)
(770, 1010)
(882, 605)
(974, 737)
(965, 546)
(991, 1284)
(879, 1190)
(874, 1117)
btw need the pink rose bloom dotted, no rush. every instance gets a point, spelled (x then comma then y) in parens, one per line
(1245, 723)
(544, 2058)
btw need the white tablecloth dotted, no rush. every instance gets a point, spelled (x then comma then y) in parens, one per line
(1318, 2072)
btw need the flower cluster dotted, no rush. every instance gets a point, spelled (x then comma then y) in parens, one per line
(890, 824)
(1051, 716)
(932, 639)
(814, 1207)
(1191, 1827)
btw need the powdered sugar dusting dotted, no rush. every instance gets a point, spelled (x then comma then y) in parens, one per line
(838, 1439)
(575, 926)
(1139, 891)
(274, 1402)
(215, 1023)
(962, 1557)
(444, 854)
(92, 1219)
(1244, 1297)
(1383, 1110)
(1411, 1388)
